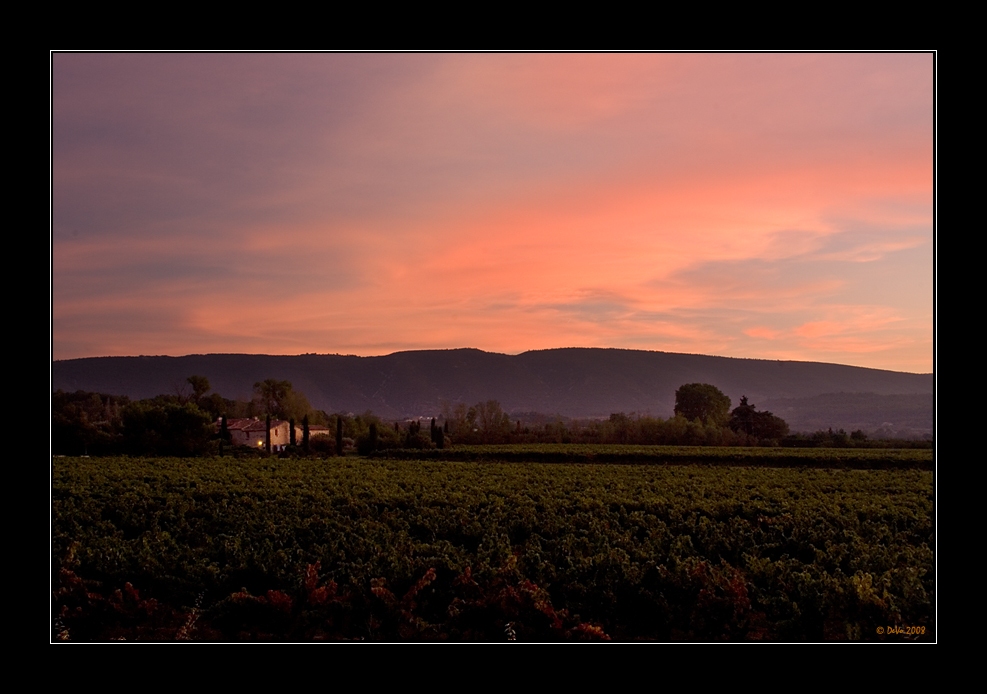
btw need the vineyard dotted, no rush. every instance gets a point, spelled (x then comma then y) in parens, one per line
(362, 549)
(747, 456)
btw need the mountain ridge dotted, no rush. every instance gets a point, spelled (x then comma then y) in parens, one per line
(571, 381)
(480, 351)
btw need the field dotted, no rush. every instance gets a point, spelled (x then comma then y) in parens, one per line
(747, 456)
(352, 548)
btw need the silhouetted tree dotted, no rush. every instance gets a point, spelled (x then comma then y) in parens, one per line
(278, 399)
(200, 386)
(224, 434)
(742, 417)
(759, 425)
(339, 435)
(703, 402)
(372, 437)
(438, 438)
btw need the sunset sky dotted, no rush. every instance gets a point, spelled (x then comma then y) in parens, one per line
(776, 206)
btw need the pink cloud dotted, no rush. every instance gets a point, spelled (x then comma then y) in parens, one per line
(763, 333)
(507, 202)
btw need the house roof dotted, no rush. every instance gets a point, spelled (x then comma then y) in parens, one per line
(236, 424)
(251, 424)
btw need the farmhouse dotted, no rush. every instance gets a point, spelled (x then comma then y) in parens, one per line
(251, 432)
(313, 431)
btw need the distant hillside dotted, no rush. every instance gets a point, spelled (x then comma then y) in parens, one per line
(891, 415)
(569, 382)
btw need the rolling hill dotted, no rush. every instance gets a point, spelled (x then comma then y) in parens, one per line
(573, 382)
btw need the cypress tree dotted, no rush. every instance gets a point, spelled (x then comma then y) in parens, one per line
(433, 432)
(224, 434)
(305, 433)
(373, 437)
(267, 435)
(339, 435)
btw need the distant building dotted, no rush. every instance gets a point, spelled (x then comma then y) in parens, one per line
(250, 432)
(313, 431)
(253, 432)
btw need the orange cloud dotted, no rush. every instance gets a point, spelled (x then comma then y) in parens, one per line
(701, 203)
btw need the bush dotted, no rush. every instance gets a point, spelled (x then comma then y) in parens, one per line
(323, 445)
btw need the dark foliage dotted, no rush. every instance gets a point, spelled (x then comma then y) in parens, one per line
(165, 429)
(760, 426)
(703, 402)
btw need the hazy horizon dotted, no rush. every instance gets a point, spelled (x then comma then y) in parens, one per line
(775, 206)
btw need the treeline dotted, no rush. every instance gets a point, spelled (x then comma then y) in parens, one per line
(703, 417)
(182, 423)
(641, 430)
(86, 423)
(188, 423)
